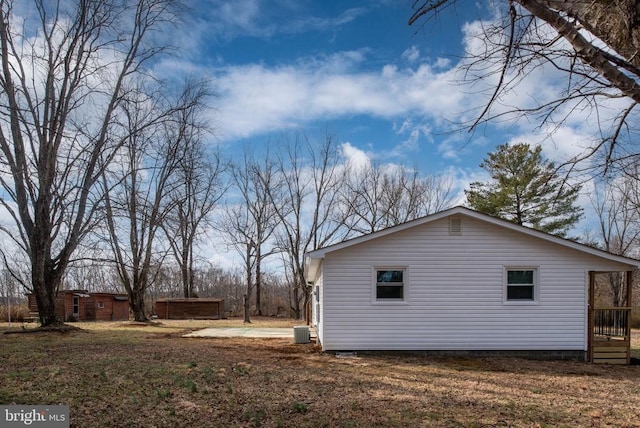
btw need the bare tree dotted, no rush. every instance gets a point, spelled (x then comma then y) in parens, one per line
(197, 186)
(616, 205)
(363, 196)
(10, 295)
(66, 69)
(226, 284)
(595, 44)
(92, 275)
(237, 228)
(406, 195)
(250, 221)
(306, 204)
(382, 196)
(139, 190)
(18, 267)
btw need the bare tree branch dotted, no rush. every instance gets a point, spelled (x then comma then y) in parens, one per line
(62, 90)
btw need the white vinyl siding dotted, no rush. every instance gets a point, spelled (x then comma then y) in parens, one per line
(456, 297)
(317, 306)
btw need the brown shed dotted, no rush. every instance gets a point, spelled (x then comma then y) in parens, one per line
(80, 305)
(189, 308)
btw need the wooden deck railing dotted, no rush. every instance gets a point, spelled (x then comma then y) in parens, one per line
(611, 322)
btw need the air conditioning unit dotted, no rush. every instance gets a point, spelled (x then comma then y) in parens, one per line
(301, 334)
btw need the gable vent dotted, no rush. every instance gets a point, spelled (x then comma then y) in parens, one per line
(455, 226)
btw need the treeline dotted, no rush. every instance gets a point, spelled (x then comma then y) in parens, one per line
(164, 215)
(104, 161)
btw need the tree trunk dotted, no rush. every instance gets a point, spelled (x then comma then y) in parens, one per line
(258, 280)
(247, 297)
(307, 302)
(190, 271)
(45, 281)
(186, 268)
(136, 302)
(192, 280)
(618, 291)
(46, 301)
(186, 285)
(587, 51)
(301, 285)
(617, 23)
(295, 303)
(246, 305)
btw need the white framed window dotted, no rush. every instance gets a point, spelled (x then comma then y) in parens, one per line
(390, 284)
(521, 285)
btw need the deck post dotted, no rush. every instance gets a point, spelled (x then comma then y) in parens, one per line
(590, 321)
(629, 304)
(629, 288)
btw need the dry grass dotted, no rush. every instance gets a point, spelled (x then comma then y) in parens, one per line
(127, 374)
(19, 313)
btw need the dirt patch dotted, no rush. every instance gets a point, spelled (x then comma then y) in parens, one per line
(140, 324)
(61, 329)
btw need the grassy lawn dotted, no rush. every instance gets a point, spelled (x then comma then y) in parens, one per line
(123, 374)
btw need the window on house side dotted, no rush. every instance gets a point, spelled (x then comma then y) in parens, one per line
(389, 284)
(521, 285)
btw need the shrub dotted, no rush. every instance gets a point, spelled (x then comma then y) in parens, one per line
(300, 407)
(19, 313)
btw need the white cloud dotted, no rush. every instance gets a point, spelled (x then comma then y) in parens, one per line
(323, 23)
(414, 133)
(227, 20)
(558, 145)
(341, 62)
(462, 178)
(442, 63)
(412, 54)
(449, 149)
(256, 99)
(355, 157)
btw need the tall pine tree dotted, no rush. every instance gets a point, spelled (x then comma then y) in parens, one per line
(526, 189)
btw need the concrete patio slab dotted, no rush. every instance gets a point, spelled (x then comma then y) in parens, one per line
(243, 332)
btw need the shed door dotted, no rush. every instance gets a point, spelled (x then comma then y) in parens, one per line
(76, 307)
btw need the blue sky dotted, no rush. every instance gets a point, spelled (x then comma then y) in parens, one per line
(387, 91)
(354, 68)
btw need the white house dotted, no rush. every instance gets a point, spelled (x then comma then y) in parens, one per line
(459, 280)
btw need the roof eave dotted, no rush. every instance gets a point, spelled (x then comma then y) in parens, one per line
(320, 253)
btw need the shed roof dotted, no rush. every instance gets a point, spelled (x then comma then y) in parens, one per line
(314, 258)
